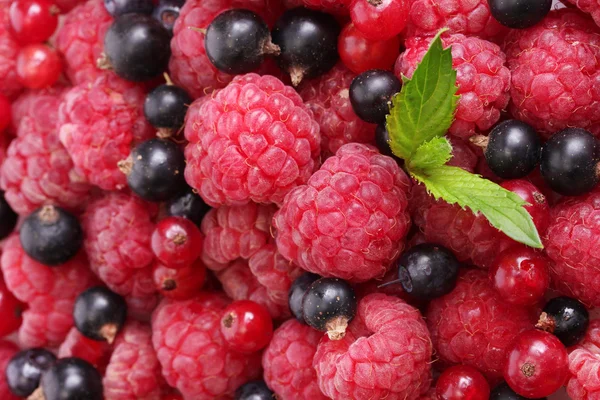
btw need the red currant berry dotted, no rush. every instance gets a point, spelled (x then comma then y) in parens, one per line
(360, 54)
(246, 326)
(538, 206)
(520, 275)
(462, 382)
(10, 310)
(38, 66)
(33, 21)
(176, 241)
(379, 19)
(536, 364)
(182, 283)
(5, 113)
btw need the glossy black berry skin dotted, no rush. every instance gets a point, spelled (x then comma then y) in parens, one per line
(519, 14)
(167, 12)
(72, 379)
(166, 105)
(8, 218)
(308, 42)
(296, 294)
(51, 235)
(371, 93)
(569, 162)
(137, 47)
(254, 390)
(99, 313)
(188, 204)
(569, 319)
(327, 299)
(157, 170)
(513, 149)
(25, 369)
(120, 7)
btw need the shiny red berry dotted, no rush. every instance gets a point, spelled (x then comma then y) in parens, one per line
(10, 310)
(177, 242)
(38, 66)
(380, 19)
(246, 326)
(536, 364)
(33, 21)
(538, 206)
(5, 113)
(360, 54)
(462, 382)
(181, 283)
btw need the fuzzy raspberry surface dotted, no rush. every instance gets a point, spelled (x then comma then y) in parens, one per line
(591, 7)
(288, 362)
(385, 354)
(584, 362)
(7, 351)
(95, 352)
(472, 325)
(99, 124)
(193, 354)
(351, 218)
(37, 109)
(9, 48)
(482, 78)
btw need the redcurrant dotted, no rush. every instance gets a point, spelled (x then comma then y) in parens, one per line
(246, 326)
(380, 19)
(10, 309)
(38, 66)
(462, 382)
(33, 21)
(182, 283)
(176, 241)
(5, 113)
(360, 54)
(538, 206)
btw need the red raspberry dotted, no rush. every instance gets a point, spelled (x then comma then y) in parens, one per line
(81, 40)
(591, 7)
(482, 79)
(37, 110)
(555, 68)
(253, 141)
(328, 98)
(386, 353)
(337, 7)
(584, 361)
(9, 48)
(351, 218)
(472, 325)
(113, 107)
(95, 352)
(288, 362)
(7, 351)
(194, 356)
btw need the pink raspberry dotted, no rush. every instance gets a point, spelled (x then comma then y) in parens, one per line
(472, 325)
(555, 68)
(7, 351)
(584, 361)
(99, 123)
(591, 7)
(288, 362)
(351, 218)
(9, 48)
(81, 40)
(95, 352)
(194, 356)
(253, 141)
(37, 109)
(328, 98)
(337, 7)
(386, 353)
(483, 80)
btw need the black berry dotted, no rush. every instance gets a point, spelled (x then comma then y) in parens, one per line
(513, 149)
(519, 14)
(308, 42)
(328, 305)
(371, 93)
(137, 47)
(166, 105)
(120, 7)
(254, 390)
(504, 392)
(8, 218)
(566, 318)
(569, 162)
(51, 235)
(167, 12)
(72, 379)
(25, 369)
(155, 170)
(297, 291)
(188, 204)
(237, 41)
(99, 313)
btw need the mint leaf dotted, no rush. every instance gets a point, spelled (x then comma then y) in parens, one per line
(503, 208)
(434, 153)
(425, 106)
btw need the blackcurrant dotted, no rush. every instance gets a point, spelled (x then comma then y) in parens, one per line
(51, 235)
(237, 41)
(167, 12)
(155, 170)
(254, 390)
(371, 93)
(188, 204)
(120, 7)
(569, 162)
(566, 318)
(308, 41)
(519, 14)
(137, 47)
(72, 379)
(8, 218)
(25, 369)
(297, 291)
(165, 107)
(99, 313)
(329, 305)
(512, 149)
(503, 392)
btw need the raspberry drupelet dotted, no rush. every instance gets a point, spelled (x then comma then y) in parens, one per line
(255, 140)
(591, 7)
(584, 360)
(37, 109)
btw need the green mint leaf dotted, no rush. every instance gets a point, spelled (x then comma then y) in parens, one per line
(434, 153)
(503, 208)
(425, 106)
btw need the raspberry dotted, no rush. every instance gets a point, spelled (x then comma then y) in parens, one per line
(95, 352)
(482, 79)
(350, 220)
(37, 110)
(584, 361)
(81, 40)
(555, 69)
(194, 356)
(472, 325)
(336, 7)
(253, 141)
(113, 107)
(328, 98)
(386, 353)
(7, 351)
(288, 362)
(9, 49)
(591, 7)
